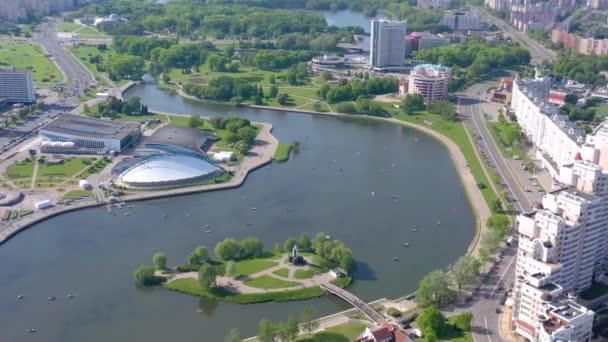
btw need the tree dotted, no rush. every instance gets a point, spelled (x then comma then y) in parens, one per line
(309, 319)
(435, 290)
(277, 249)
(230, 269)
(266, 332)
(412, 103)
(283, 98)
(496, 206)
(274, 91)
(288, 245)
(144, 275)
(500, 223)
(194, 121)
(571, 99)
(251, 247)
(206, 276)
(304, 243)
(160, 260)
(229, 249)
(432, 322)
(462, 321)
(202, 253)
(292, 327)
(125, 67)
(465, 271)
(234, 335)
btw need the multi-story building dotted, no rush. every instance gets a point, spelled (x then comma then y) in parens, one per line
(427, 40)
(555, 138)
(578, 43)
(597, 4)
(16, 9)
(527, 16)
(462, 21)
(387, 43)
(498, 5)
(431, 81)
(17, 86)
(434, 4)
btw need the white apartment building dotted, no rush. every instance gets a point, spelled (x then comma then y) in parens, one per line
(462, 21)
(15, 9)
(431, 81)
(498, 5)
(556, 139)
(17, 86)
(387, 43)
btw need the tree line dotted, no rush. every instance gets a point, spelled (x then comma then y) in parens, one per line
(114, 108)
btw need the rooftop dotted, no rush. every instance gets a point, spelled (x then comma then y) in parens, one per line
(186, 137)
(90, 127)
(566, 309)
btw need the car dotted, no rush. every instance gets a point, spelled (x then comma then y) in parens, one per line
(495, 267)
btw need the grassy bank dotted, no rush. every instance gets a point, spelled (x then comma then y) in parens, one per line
(340, 333)
(191, 286)
(281, 155)
(21, 55)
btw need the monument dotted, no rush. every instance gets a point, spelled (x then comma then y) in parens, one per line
(295, 258)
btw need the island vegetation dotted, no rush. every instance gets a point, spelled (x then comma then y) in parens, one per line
(244, 273)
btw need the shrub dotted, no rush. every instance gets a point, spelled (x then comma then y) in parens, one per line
(189, 268)
(462, 321)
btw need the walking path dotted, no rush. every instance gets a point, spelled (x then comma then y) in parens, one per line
(239, 286)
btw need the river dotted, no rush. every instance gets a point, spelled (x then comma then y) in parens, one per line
(327, 186)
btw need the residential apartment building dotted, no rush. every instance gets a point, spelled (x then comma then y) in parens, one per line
(556, 140)
(462, 21)
(498, 5)
(17, 86)
(434, 4)
(577, 43)
(13, 10)
(533, 16)
(597, 4)
(431, 81)
(387, 43)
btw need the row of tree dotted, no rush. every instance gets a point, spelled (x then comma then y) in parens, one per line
(351, 90)
(413, 103)
(231, 249)
(113, 108)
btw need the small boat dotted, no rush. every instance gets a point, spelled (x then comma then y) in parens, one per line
(289, 209)
(393, 165)
(51, 298)
(127, 214)
(395, 259)
(164, 215)
(373, 193)
(358, 153)
(208, 231)
(69, 295)
(250, 224)
(415, 139)
(31, 330)
(340, 170)
(130, 207)
(187, 215)
(254, 208)
(199, 310)
(405, 244)
(438, 222)
(20, 297)
(207, 225)
(395, 201)
(414, 230)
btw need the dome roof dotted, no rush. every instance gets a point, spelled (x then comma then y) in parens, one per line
(167, 168)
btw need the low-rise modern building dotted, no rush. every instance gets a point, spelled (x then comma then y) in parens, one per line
(462, 21)
(431, 81)
(94, 134)
(327, 62)
(17, 86)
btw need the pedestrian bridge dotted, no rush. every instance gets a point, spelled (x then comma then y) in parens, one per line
(354, 301)
(354, 47)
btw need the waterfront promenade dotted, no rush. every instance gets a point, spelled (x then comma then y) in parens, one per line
(260, 154)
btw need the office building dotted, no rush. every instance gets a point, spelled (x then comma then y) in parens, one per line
(17, 86)
(462, 21)
(427, 40)
(431, 81)
(90, 133)
(387, 44)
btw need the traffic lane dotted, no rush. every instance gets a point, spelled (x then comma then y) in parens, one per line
(490, 152)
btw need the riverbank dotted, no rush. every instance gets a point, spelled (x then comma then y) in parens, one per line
(260, 154)
(475, 197)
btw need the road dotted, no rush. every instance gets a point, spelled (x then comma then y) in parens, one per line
(79, 78)
(537, 50)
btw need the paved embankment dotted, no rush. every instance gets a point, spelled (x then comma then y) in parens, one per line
(261, 154)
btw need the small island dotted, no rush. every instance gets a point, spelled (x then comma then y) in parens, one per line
(244, 273)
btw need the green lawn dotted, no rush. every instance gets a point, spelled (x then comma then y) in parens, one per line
(23, 55)
(68, 27)
(305, 274)
(283, 272)
(74, 195)
(340, 333)
(495, 129)
(281, 155)
(453, 334)
(67, 169)
(85, 52)
(270, 282)
(191, 286)
(22, 169)
(251, 266)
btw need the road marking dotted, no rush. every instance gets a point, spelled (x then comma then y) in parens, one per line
(503, 274)
(493, 158)
(485, 320)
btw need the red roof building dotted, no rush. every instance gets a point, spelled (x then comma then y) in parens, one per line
(386, 332)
